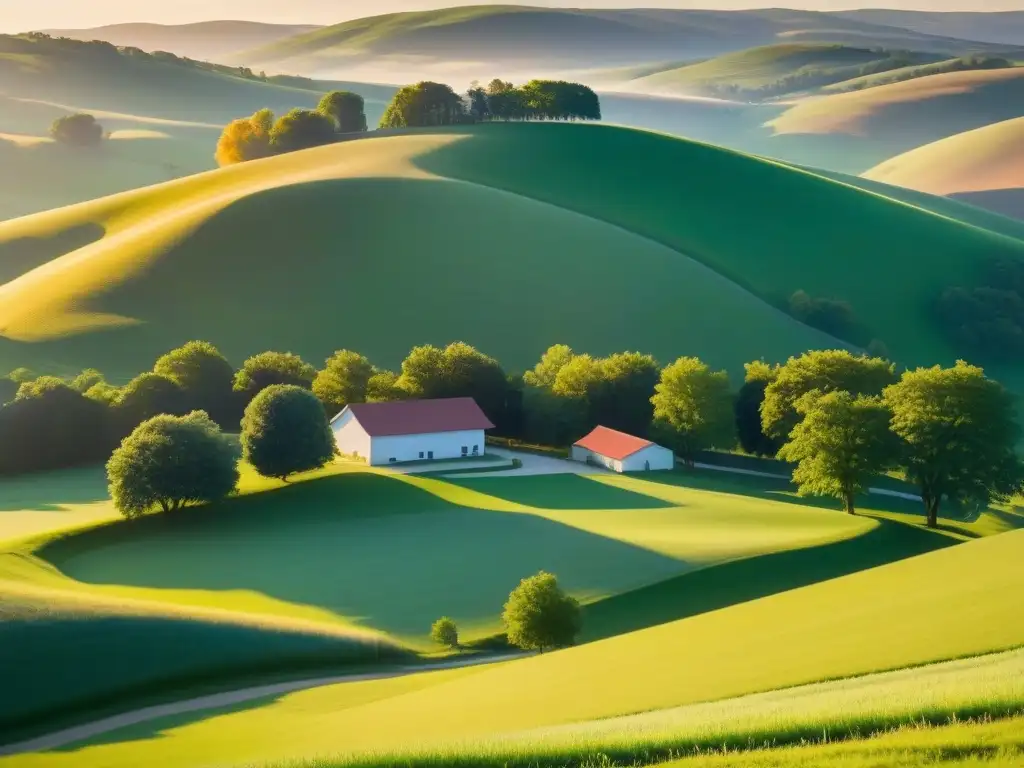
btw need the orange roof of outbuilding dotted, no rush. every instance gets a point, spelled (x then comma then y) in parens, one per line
(612, 443)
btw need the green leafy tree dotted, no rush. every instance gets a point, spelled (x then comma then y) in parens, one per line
(960, 434)
(841, 442)
(104, 393)
(424, 104)
(348, 110)
(22, 375)
(383, 388)
(479, 106)
(552, 419)
(747, 409)
(539, 615)
(582, 376)
(49, 425)
(86, 380)
(206, 378)
(245, 139)
(693, 408)
(624, 400)
(302, 129)
(344, 379)
(169, 462)
(445, 632)
(78, 130)
(551, 362)
(458, 370)
(146, 396)
(284, 431)
(825, 371)
(268, 368)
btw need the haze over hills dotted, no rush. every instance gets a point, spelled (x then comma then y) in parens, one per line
(210, 40)
(1002, 26)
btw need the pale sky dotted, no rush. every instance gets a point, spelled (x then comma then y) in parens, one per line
(23, 15)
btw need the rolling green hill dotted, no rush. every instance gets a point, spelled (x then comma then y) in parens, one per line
(156, 267)
(880, 122)
(580, 37)
(770, 71)
(208, 40)
(1002, 27)
(898, 615)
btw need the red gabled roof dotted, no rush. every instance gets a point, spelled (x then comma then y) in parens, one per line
(418, 417)
(612, 443)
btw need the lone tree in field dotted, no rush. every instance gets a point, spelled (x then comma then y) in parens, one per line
(840, 443)
(80, 130)
(445, 632)
(826, 371)
(347, 109)
(539, 616)
(960, 435)
(247, 138)
(284, 431)
(269, 368)
(344, 379)
(206, 378)
(302, 129)
(169, 462)
(693, 408)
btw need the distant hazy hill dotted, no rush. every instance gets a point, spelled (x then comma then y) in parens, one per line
(206, 40)
(1006, 27)
(559, 36)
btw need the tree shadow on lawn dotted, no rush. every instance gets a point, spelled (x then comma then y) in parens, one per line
(53, 491)
(751, 578)
(562, 491)
(370, 548)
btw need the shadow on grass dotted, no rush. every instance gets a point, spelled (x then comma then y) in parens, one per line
(721, 586)
(563, 491)
(53, 491)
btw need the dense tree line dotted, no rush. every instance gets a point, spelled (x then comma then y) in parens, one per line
(262, 134)
(840, 417)
(962, 64)
(429, 104)
(986, 320)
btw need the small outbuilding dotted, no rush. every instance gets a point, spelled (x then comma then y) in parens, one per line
(411, 430)
(620, 452)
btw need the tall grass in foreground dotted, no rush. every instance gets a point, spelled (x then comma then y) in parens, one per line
(983, 687)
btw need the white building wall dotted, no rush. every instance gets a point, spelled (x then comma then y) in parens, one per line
(350, 436)
(583, 454)
(444, 445)
(653, 457)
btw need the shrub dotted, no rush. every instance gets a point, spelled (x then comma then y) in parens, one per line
(146, 396)
(50, 425)
(346, 109)
(245, 139)
(833, 316)
(206, 378)
(269, 368)
(79, 130)
(344, 379)
(445, 632)
(302, 129)
(540, 616)
(170, 462)
(285, 430)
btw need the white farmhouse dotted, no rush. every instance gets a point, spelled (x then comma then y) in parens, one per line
(411, 430)
(620, 452)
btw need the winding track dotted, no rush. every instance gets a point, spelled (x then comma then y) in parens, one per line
(67, 736)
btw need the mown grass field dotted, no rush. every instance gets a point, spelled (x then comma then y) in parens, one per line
(136, 254)
(333, 570)
(894, 616)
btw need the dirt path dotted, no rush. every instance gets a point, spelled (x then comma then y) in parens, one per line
(217, 700)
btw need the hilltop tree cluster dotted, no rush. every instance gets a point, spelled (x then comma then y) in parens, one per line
(840, 418)
(262, 134)
(428, 104)
(986, 320)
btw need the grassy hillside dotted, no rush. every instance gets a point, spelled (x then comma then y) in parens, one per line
(142, 252)
(321, 572)
(511, 34)
(207, 40)
(987, 158)
(915, 71)
(769, 71)
(890, 119)
(1005, 27)
(901, 614)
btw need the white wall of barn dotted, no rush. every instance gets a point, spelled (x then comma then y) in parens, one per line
(580, 453)
(653, 457)
(443, 445)
(350, 436)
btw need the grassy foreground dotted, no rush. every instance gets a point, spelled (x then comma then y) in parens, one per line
(898, 615)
